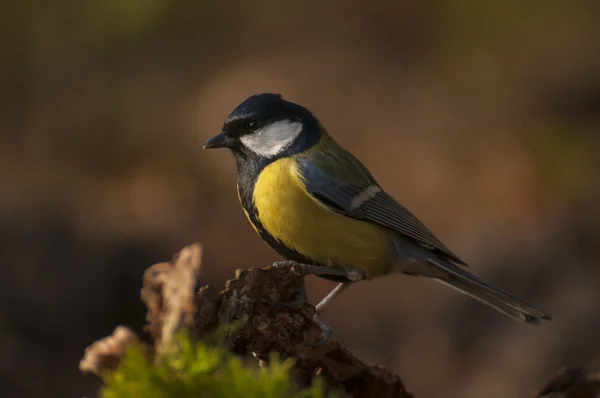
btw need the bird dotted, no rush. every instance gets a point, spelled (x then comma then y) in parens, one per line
(321, 209)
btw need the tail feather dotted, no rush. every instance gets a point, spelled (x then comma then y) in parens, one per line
(503, 302)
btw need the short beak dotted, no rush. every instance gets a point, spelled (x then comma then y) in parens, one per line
(220, 141)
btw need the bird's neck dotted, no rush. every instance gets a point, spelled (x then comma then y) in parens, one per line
(249, 167)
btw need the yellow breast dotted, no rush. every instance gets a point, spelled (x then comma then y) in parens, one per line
(301, 223)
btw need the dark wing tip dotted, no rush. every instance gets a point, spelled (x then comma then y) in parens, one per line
(536, 320)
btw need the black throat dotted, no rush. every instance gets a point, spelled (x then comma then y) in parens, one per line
(249, 166)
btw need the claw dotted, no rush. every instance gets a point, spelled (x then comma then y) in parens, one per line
(325, 330)
(294, 304)
(300, 299)
(285, 263)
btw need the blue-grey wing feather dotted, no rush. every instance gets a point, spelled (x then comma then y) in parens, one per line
(381, 208)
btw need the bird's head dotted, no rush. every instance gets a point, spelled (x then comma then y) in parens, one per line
(267, 126)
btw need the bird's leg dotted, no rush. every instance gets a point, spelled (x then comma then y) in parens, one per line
(319, 307)
(308, 269)
(324, 302)
(333, 294)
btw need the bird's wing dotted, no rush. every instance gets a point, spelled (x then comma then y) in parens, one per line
(339, 181)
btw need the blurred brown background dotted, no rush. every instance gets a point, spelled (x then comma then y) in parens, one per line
(482, 117)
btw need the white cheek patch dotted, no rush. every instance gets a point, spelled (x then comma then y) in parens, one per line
(272, 139)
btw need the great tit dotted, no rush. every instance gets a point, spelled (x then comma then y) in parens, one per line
(316, 205)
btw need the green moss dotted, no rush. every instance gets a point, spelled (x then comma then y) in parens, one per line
(198, 369)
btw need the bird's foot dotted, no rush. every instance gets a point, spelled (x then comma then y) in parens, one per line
(309, 269)
(284, 263)
(305, 269)
(300, 299)
(326, 332)
(355, 275)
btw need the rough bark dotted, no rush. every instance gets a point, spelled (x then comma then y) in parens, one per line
(252, 301)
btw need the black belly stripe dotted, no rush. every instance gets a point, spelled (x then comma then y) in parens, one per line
(283, 250)
(249, 168)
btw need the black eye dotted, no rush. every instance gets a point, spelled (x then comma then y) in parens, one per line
(252, 125)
